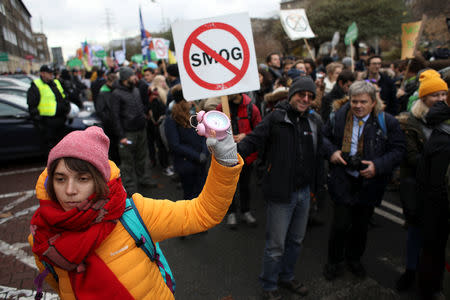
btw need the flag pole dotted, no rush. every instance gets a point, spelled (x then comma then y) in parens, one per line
(309, 49)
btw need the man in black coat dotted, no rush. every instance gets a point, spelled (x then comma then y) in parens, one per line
(388, 92)
(129, 125)
(290, 136)
(48, 106)
(363, 145)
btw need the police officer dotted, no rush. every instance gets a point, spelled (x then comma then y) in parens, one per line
(48, 107)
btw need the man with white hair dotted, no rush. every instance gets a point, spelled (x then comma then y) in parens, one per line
(363, 145)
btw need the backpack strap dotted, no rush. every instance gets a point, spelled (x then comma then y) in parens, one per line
(382, 122)
(249, 115)
(132, 222)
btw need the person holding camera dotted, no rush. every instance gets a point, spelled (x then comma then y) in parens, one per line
(363, 145)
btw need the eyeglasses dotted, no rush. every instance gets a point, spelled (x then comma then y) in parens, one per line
(376, 63)
(303, 95)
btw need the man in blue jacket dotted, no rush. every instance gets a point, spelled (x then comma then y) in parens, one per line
(363, 145)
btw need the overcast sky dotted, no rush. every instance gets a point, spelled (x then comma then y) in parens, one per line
(67, 23)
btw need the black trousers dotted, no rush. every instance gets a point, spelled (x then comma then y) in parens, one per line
(348, 233)
(51, 130)
(242, 193)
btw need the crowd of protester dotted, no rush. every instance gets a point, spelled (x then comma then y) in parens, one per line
(351, 128)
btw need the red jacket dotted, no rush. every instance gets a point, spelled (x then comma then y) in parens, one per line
(245, 125)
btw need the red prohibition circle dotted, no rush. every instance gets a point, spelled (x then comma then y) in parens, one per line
(193, 39)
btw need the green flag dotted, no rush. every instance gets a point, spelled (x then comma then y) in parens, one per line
(75, 62)
(137, 58)
(352, 34)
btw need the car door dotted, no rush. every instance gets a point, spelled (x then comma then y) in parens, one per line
(19, 137)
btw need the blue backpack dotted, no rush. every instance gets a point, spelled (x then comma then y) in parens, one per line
(132, 222)
(380, 118)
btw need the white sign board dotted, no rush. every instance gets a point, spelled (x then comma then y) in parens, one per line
(216, 56)
(295, 24)
(161, 47)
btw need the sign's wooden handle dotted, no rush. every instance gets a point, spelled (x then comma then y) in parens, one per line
(225, 105)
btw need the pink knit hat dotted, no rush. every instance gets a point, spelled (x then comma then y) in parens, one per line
(90, 145)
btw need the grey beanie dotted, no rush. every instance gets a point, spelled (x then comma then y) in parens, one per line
(302, 83)
(125, 73)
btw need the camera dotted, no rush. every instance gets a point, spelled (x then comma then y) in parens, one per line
(353, 162)
(319, 75)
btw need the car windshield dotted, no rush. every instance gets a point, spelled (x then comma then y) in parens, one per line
(15, 99)
(22, 78)
(11, 91)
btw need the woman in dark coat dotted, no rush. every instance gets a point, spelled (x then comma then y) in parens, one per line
(189, 150)
(433, 180)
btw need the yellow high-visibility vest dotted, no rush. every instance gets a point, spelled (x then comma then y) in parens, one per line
(47, 103)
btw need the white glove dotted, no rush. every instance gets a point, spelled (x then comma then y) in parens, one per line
(225, 151)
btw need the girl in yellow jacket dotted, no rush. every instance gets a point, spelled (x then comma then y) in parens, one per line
(75, 232)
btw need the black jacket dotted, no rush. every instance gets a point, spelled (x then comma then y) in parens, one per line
(335, 94)
(386, 152)
(433, 176)
(128, 111)
(96, 86)
(388, 93)
(280, 140)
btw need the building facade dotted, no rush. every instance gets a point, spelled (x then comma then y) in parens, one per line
(57, 54)
(18, 51)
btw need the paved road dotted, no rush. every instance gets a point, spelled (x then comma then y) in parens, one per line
(215, 265)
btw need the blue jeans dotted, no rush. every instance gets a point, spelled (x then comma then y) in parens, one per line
(285, 230)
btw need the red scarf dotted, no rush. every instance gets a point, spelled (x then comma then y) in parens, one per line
(68, 239)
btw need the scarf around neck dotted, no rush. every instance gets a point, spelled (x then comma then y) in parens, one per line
(348, 133)
(68, 239)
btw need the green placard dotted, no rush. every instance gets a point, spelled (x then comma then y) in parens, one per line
(4, 56)
(100, 53)
(352, 34)
(137, 58)
(75, 62)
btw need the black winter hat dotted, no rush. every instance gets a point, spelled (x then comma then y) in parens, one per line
(302, 83)
(125, 73)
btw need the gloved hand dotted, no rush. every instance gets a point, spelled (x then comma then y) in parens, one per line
(225, 151)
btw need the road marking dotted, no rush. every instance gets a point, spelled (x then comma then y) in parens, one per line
(11, 205)
(22, 171)
(390, 216)
(15, 194)
(19, 254)
(392, 207)
(23, 212)
(7, 292)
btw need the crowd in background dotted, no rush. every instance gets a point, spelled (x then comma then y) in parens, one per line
(145, 115)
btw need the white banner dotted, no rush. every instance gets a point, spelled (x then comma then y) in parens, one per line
(216, 56)
(161, 47)
(295, 24)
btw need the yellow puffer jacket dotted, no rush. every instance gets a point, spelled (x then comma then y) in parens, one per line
(164, 219)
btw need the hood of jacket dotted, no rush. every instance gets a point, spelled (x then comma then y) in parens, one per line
(280, 93)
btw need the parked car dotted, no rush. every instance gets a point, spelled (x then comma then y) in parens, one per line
(26, 78)
(20, 138)
(14, 90)
(7, 81)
